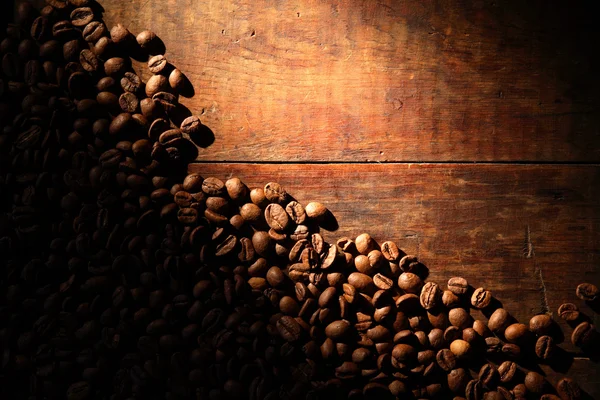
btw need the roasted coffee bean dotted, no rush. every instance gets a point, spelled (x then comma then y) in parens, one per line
(382, 282)
(88, 60)
(450, 300)
(430, 295)
(458, 286)
(277, 217)
(121, 35)
(361, 282)
(40, 28)
(488, 375)
(156, 84)
(499, 321)
(128, 102)
(446, 360)
(507, 371)
(148, 41)
(94, 31)
(544, 347)
(82, 16)
(535, 383)
(167, 101)
(390, 251)
(474, 390)
(275, 193)
(409, 282)
(588, 292)
(481, 298)
(583, 335)
(178, 81)
(130, 82)
(511, 351)
(289, 329)
(316, 211)
(540, 324)
(516, 333)
(156, 64)
(115, 67)
(568, 389)
(460, 348)
(569, 312)
(493, 344)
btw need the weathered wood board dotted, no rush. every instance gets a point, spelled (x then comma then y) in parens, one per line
(358, 80)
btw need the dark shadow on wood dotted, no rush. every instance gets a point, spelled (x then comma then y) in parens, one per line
(329, 222)
(204, 138)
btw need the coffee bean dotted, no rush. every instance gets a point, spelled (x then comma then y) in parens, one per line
(289, 329)
(147, 41)
(511, 351)
(516, 333)
(361, 282)
(115, 66)
(59, 4)
(94, 31)
(458, 286)
(167, 101)
(460, 348)
(275, 193)
(128, 102)
(430, 295)
(540, 324)
(569, 312)
(316, 211)
(156, 64)
(446, 360)
(544, 347)
(488, 375)
(410, 283)
(130, 82)
(481, 298)
(568, 389)
(507, 371)
(382, 282)
(583, 335)
(450, 300)
(588, 292)
(78, 391)
(121, 35)
(277, 217)
(535, 383)
(82, 16)
(474, 390)
(499, 320)
(156, 84)
(89, 61)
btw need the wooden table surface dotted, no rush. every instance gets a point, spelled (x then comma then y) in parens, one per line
(467, 131)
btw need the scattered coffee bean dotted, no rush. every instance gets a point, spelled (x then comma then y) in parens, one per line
(569, 312)
(588, 292)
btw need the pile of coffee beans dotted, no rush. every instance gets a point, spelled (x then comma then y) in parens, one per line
(125, 277)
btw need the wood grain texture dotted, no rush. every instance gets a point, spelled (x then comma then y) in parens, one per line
(352, 80)
(528, 233)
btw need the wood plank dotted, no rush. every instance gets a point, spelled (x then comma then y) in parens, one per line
(340, 80)
(530, 234)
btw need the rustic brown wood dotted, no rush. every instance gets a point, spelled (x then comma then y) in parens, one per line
(401, 81)
(528, 233)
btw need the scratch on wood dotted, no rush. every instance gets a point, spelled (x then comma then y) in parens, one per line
(529, 253)
(528, 250)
